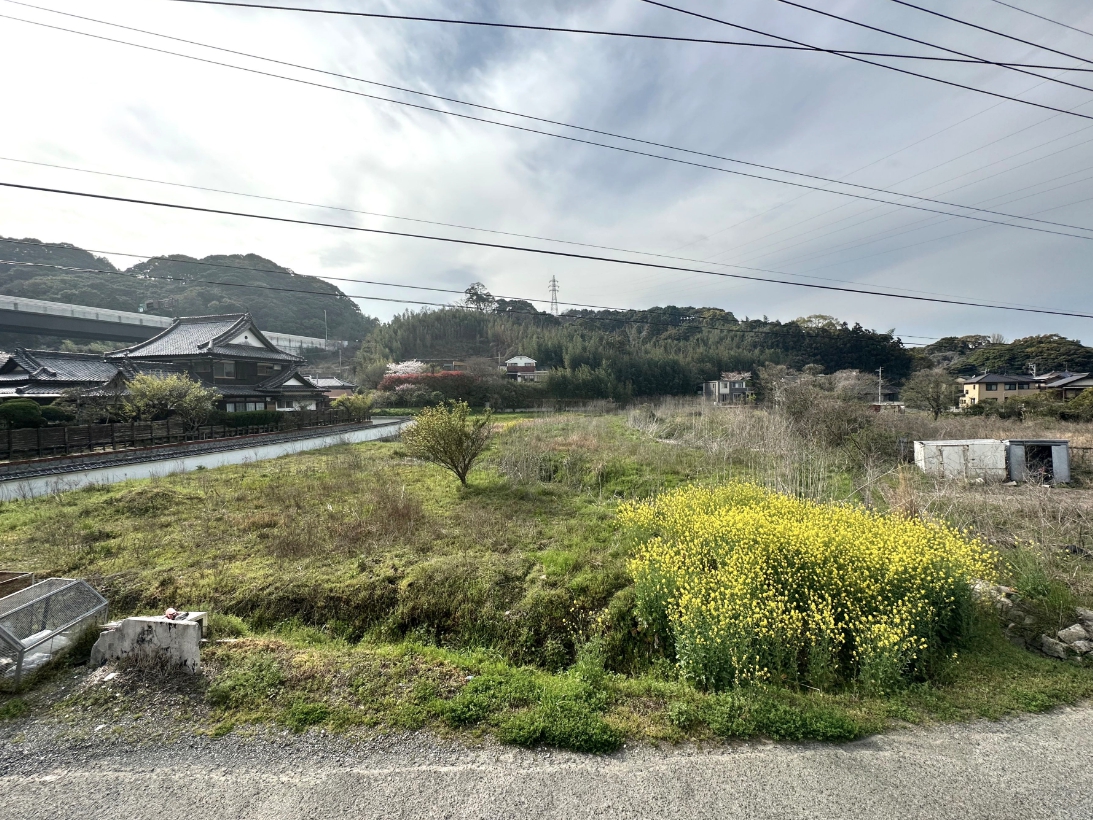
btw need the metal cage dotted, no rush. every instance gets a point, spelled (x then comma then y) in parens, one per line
(42, 621)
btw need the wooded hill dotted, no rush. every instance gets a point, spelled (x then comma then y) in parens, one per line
(970, 355)
(196, 286)
(659, 351)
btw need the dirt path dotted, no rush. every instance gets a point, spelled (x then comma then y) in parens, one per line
(1033, 767)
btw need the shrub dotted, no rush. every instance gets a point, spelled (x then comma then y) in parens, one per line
(359, 407)
(152, 397)
(446, 436)
(51, 413)
(752, 586)
(18, 413)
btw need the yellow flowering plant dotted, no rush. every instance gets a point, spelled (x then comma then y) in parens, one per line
(746, 584)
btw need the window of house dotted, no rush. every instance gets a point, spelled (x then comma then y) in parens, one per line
(1022, 387)
(1011, 386)
(203, 366)
(224, 370)
(738, 385)
(265, 369)
(992, 386)
(229, 407)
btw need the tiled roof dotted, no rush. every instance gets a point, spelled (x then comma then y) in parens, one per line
(277, 380)
(52, 366)
(1068, 378)
(992, 378)
(331, 383)
(204, 335)
(188, 336)
(248, 352)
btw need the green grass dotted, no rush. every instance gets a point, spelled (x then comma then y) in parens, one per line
(366, 591)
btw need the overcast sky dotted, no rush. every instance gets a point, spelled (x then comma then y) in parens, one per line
(75, 101)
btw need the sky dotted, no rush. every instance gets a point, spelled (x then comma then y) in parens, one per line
(95, 105)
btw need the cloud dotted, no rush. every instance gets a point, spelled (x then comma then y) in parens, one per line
(112, 108)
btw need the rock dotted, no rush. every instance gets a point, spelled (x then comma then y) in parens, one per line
(1086, 617)
(1053, 648)
(1082, 646)
(1072, 633)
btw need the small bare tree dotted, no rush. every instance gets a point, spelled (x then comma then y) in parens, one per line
(930, 390)
(445, 435)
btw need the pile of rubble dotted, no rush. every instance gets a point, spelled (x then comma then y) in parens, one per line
(1022, 627)
(1074, 641)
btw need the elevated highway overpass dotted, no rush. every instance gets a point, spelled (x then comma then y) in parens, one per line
(41, 318)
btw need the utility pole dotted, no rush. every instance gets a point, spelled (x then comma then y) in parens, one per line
(326, 329)
(554, 295)
(880, 385)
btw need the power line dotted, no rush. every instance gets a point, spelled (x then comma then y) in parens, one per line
(709, 261)
(284, 272)
(807, 46)
(930, 45)
(602, 33)
(249, 269)
(582, 128)
(685, 320)
(841, 54)
(992, 31)
(1048, 19)
(521, 249)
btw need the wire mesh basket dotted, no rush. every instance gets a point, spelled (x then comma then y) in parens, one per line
(42, 621)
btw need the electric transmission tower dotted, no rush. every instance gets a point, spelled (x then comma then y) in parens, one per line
(554, 295)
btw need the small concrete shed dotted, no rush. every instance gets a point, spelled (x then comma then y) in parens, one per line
(1040, 460)
(969, 459)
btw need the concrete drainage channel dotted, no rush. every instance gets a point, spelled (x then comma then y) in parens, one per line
(60, 475)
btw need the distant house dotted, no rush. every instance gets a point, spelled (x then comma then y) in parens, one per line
(1065, 384)
(228, 353)
(521, 368)
(733, 387)
(332, 386)
(996, 387)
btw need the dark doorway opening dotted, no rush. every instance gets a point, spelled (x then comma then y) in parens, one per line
(1039, 463)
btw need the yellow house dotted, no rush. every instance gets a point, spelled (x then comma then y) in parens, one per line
(996, 387)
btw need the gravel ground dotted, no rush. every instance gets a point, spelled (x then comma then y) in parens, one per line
(1030, 767)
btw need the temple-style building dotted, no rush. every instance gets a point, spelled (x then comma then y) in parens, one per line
(228, 353)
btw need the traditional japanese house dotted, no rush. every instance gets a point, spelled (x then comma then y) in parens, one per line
(229, 353)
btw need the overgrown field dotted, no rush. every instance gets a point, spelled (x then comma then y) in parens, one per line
(354, 588)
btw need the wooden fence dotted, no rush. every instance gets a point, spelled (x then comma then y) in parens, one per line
(46, 442)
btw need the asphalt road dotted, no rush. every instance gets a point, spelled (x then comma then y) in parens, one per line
(1032, 767)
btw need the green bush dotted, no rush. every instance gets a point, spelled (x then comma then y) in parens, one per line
(753, 712)
(302, 714)
(21, 413)
(567, 724)
(54, 414)
(249, 683)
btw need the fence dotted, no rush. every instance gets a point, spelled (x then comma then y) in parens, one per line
(46, 442)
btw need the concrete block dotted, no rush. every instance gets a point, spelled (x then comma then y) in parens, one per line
(178, 643)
